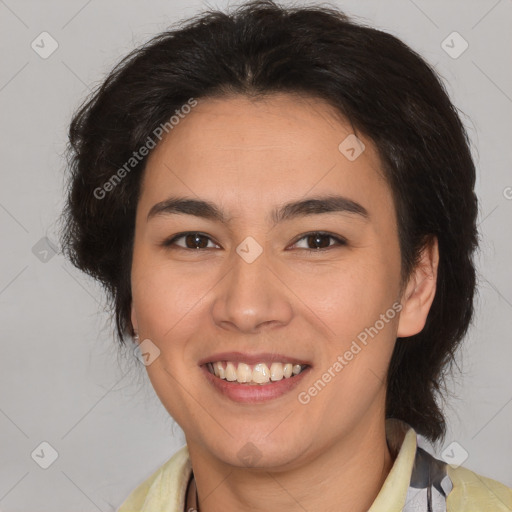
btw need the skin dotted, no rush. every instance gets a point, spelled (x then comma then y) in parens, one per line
(248, 157)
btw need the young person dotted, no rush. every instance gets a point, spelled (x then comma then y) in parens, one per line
(280, 203)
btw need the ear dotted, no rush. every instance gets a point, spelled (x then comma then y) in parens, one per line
(420, 291)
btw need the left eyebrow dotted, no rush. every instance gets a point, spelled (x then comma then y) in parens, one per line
(310, 206)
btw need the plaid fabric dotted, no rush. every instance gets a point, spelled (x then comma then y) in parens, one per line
(429, 485)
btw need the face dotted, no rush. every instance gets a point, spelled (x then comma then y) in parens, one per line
(248, 280)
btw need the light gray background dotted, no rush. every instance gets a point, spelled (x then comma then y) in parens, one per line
(61, 379)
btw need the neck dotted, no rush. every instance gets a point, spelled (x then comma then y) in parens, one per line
(347, 476)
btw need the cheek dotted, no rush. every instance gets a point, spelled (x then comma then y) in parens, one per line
(351, 295)
(165, 296)
(168, 307)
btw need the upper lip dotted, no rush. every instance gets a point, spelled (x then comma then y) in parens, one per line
(252, 358)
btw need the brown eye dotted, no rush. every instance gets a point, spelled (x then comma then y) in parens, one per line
(192, 240)
(319, 240)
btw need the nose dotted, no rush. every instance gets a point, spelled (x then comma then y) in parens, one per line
(252, 296)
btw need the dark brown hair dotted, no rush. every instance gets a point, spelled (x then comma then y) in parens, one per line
(383, 88)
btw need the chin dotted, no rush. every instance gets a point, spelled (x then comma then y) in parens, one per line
(261, 454)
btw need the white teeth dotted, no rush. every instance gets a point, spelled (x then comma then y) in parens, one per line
(243, 373)
(276, 371)
(261, 373)
(258, 374)
(219, 370)
(230, 372)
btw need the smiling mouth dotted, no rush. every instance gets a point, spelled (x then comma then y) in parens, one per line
(257, 374)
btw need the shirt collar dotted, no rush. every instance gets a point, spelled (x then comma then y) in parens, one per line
(401, 439)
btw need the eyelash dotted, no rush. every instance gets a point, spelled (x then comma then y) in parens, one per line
(171, 241)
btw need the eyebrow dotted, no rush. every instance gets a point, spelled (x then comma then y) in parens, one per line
(311, 206)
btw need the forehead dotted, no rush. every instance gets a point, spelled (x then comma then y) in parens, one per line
(249, 151)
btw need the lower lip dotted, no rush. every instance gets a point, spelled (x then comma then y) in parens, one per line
(246, 393)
